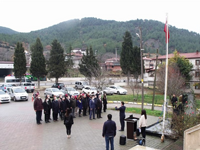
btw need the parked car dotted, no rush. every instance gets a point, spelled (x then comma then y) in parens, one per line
(118, 89)
(80, 84)
(53, 92)
(70, 91)
(108, 91)
(4, 97)
(58, 85)
(28, 86)
(87, 89)
(17, 93)
(5, 86)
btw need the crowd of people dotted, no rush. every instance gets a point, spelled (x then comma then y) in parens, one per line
(68, 107)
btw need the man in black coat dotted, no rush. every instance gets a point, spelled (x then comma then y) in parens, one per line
(174, 101)
(121, 115)
(55, 108)
(109, 132)
(47, 108)
(68, 102)
(63, 108)
(85, 104)
(99, 107)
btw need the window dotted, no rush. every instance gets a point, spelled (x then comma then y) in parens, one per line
(197, 62)
(197, 87)
(197, 74)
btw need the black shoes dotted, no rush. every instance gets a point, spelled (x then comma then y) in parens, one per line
(39, 123)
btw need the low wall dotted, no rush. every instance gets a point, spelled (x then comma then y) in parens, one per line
(191, 138)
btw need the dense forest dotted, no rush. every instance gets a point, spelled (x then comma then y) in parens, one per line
(106, 35)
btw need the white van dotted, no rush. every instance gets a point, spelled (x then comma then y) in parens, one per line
(16, 81)
(28, 87)
(80, 84)
(17, 93)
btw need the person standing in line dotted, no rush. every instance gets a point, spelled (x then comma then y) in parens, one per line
(88, 102)
(47, 108)
(55, 108)
(109, 132)
(99, 107)
(68, 121)
(121, 115)
(104, 102)
(68, 101)
(80, 106)
(73, 105)
(62, 108)
(50, 103)
(92, 108)
(143, 124)
(84, 102)
(60, 101)
(37, 105)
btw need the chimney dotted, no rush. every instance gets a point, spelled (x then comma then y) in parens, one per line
(197, 52)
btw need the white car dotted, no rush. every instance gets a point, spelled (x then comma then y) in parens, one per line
(108, 91)
(17, 93)
(4, 97)
(70, 91)
(118, 89)
(89, 89)
(53, 92)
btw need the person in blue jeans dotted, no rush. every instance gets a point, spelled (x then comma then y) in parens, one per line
(109, 132)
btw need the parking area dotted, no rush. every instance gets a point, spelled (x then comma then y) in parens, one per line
(20, 131)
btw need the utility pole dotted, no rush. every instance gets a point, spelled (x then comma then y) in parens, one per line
(142, 78)
(154, 84)
(116, 53)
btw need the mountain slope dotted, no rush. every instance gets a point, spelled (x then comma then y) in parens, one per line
(4, 30)
(106, 35)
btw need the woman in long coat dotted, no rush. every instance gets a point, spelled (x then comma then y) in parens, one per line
(68, 121)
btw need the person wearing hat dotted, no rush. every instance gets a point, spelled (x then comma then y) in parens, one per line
(37, 105)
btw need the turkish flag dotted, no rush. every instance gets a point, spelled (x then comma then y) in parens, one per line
(165, 30)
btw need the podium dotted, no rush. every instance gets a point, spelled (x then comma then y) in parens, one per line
(131, 126)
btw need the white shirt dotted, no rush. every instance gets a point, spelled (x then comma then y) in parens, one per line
(142, 121)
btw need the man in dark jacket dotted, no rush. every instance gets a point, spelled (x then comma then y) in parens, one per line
(109, 132)
(92, 108)
(99, 107)
(55, 108)
(174, 101)
(47, 108)
(84, 103)
(38, 108)
(121, 115)
(68, 102)
(62, 108)
(73, 105)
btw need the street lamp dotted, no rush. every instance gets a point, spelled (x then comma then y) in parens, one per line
(141, 54)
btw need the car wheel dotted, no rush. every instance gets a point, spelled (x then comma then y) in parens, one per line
(118, 92)
(26, 99)
(14, 99)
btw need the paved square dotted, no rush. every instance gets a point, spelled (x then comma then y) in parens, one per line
(19, 131)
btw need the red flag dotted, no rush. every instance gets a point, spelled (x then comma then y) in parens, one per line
(165, 30)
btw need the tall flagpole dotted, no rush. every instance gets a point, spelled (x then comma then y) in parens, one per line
(166, 75)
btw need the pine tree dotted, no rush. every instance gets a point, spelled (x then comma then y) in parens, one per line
(38, 66)
(56, 64)
(127, 60)
(19, 61)
(89, 66)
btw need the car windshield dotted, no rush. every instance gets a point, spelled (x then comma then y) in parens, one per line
(55, 90)
(70, 89)
(93, 88)
(19, 90)
(2, 92)
(118, 87)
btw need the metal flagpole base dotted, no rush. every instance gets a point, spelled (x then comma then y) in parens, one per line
(162, 138)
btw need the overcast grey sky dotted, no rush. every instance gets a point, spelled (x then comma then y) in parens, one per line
(31, 15)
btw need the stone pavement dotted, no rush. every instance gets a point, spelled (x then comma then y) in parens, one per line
(19, 131)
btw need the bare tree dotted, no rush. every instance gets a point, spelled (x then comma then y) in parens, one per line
(176, 82)
(100, 81)
(134, 86)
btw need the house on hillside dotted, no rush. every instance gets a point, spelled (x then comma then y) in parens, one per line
(113, 64)
(193, 58)
(78, 50)
(76, 58)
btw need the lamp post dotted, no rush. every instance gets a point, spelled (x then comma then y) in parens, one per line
(141, 54)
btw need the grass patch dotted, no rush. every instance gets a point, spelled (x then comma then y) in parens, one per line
(156, 113)
(159, 99)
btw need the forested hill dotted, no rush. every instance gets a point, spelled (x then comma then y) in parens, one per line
(106, 35)
(4, 30)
